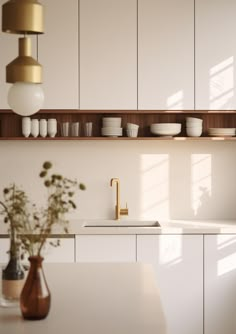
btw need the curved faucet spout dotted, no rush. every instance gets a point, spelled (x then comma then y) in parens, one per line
(118, 210)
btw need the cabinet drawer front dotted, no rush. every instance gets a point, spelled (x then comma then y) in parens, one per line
(61, 254)
(105, 248)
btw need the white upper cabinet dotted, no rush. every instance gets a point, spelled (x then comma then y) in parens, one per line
(215, 54)
(58, 54)
(166, 54)
(108, 54)
(220, 284)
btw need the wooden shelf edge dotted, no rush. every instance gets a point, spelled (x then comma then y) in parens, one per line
(80, 111)
(177, 139)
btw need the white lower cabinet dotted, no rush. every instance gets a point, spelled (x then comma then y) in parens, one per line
(178, 264)
(220, 284)
(105, 248)
(65, 253)
(4, 247)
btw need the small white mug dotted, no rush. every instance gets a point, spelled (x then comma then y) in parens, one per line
(43, 128)
(35, 127)
(26, 126)
(52, 127)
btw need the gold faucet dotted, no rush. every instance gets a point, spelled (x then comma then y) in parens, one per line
(119, 211)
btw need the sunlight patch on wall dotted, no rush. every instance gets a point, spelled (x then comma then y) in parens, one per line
(155, 186)
(227, 261)
(175, 101)
(201, 182)
(222, 84)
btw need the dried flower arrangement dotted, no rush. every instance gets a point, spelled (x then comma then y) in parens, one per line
(33, 225)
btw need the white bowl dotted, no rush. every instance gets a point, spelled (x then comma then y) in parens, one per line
(194, 131)
(132, 126)
(193, 126)
(132, 132)
(194, 120)
(165, 129)
(112, 131)
(111, 122)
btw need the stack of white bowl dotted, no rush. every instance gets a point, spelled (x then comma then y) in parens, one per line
(111, 126)
(165, 129)
(193, 126)
(132, 130)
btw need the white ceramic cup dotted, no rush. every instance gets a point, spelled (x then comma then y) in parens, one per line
(26, 126)
(52, 127)
(43, 127)
(132, 126)
(75, 129)
(35, 127)
(195, 131)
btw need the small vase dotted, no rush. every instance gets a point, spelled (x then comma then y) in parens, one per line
(12, 275)
(12, 283)
(35, 297)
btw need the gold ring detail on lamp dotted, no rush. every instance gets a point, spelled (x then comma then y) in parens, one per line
(22, 16)
(24, 68)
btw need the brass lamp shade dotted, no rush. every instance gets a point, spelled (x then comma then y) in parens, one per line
(24, 68)
(22, 16)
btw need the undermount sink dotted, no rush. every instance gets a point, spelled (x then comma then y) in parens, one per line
(122, 223)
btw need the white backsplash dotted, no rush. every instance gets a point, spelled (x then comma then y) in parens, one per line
(159, 180)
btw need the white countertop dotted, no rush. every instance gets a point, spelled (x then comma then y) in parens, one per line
(95, 299)
(167, 227)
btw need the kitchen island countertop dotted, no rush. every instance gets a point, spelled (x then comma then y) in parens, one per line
(94, 299)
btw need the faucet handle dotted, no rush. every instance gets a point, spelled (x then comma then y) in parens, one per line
(124, 212)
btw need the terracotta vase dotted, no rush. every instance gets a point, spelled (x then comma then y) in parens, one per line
(35, 298)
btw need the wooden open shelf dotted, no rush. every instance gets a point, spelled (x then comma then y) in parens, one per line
(114, 111)
(122, 138)
(10, 123)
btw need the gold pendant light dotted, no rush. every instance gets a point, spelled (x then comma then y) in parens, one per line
(24, 68)
(22, 16)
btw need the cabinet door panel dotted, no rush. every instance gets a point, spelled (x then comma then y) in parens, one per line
(58, 54)
(61, 254)
(178, 264)
(220, 284)
(108, 54)
(105, 248)
(215, 54)
(166, 54)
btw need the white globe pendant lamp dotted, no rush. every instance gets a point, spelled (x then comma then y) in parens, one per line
(25, 96)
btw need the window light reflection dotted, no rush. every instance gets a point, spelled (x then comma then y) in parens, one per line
(222, 84)
(201, 182)
(175, 101)
(155, 185)
(227, 259)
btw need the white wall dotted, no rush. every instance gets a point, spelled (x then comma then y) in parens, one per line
(194, 180)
